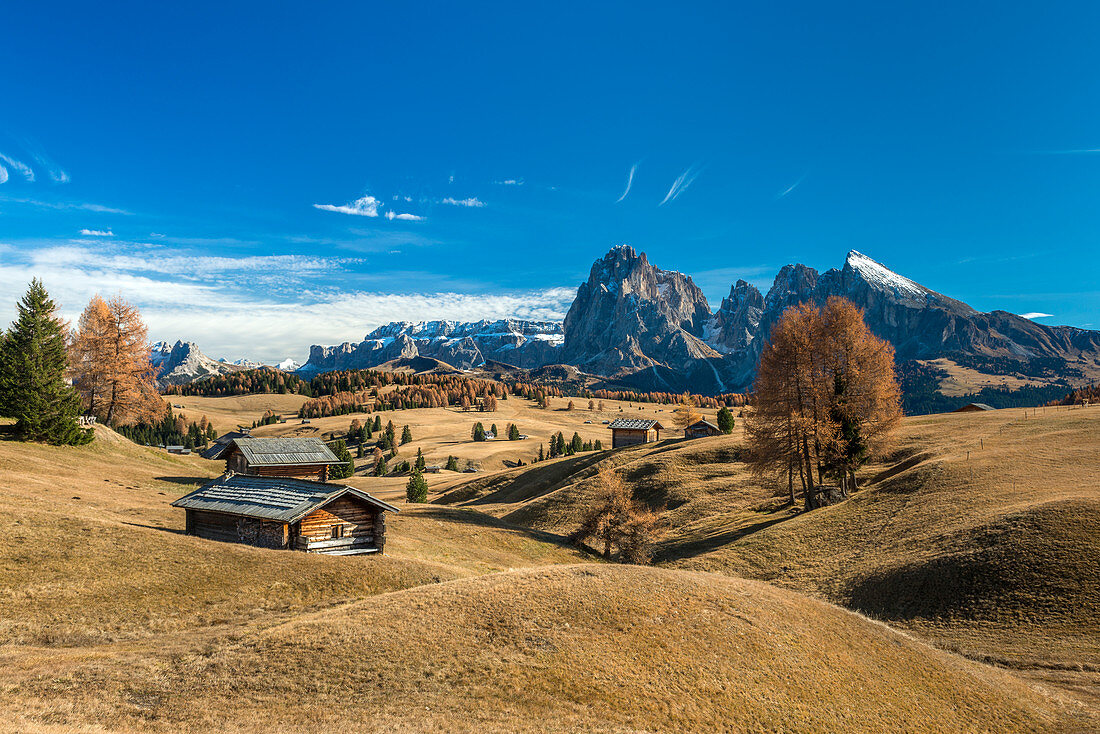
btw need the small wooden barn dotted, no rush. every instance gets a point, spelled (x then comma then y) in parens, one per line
(631, 431)
(305, 458)
(288, 513)
(701, 429)
(973, 408)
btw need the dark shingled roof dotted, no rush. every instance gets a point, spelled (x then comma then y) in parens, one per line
(221, 443)
(972, 407)
(636, 424)
(704, 423)
(284, 451)
(269, 498)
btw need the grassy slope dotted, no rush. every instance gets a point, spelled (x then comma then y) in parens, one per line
(93, 552)
(116, 621)
(591, 647)
(995, 555)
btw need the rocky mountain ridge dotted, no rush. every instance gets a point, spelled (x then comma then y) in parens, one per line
(639, 326)
(462, 344)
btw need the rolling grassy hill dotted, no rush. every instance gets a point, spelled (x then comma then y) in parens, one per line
(977, 532)
(480, 617)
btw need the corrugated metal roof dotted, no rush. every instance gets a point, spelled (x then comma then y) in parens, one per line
(270, 498)
(635, 424)
(283, 451)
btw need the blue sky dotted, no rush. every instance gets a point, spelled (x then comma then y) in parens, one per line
(179, 151)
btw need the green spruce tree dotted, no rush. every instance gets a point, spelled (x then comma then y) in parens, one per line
(725, 420)
(417, 488)
(33, 364)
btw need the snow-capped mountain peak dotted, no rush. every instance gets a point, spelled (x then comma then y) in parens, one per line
(879, 276)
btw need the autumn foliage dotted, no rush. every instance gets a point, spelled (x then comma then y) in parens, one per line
(617, 521)
(826, 398)
(110, 364)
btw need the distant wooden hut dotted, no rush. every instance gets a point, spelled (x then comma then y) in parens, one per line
(701, 429)
(305, 458)
(287, 513)
(631, 431)
(973, 408)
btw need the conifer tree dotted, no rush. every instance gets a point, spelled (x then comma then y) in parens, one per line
(345, 469)
(417, 488)
(452, 463)
(725, 420)
(406, 435)
(33, 365)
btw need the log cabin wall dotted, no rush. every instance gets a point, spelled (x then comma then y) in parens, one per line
(235, 529)
(353, 517)
(628, 437)
(236, 463)
(316, 472)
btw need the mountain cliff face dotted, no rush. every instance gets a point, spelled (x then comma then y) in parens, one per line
(630, 317)
(182, 362)
(651, 329)
(464, 345)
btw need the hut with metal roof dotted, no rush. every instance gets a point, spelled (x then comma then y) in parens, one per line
(973, 408)
(305, 458)
(700, 429)
(631, 431)
(288, 513)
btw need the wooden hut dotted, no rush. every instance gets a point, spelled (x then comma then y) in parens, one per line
(701, 429)
(305, 458)
(631, 431)
(973, 408)
(287, 513)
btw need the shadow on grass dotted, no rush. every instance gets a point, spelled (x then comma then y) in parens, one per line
(680, 551)
(480, 519)
(174, 531)
(186, 481)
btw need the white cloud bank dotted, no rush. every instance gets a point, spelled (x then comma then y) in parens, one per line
(97, 233)
(260, 307)
(1036, 315)
(473, 201)
(366, 206)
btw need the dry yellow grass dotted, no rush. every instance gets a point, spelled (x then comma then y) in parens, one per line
(115, 621)
(979, 533)
(592, 648)
(93, 552)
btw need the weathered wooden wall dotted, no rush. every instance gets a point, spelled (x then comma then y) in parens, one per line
(628, 437)
(235, 529)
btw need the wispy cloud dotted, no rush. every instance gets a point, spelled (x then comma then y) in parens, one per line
(97, 233)
(681, 184)
(54, 171)
(19, 167)
(1069, 151)
(1036, 315)
(66, 205)
(473, 201)
(3, 175)
(510, 182)
(366, 206)
(790, 188)
(629, 182)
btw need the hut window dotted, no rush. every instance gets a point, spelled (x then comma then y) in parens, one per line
(337, 531)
